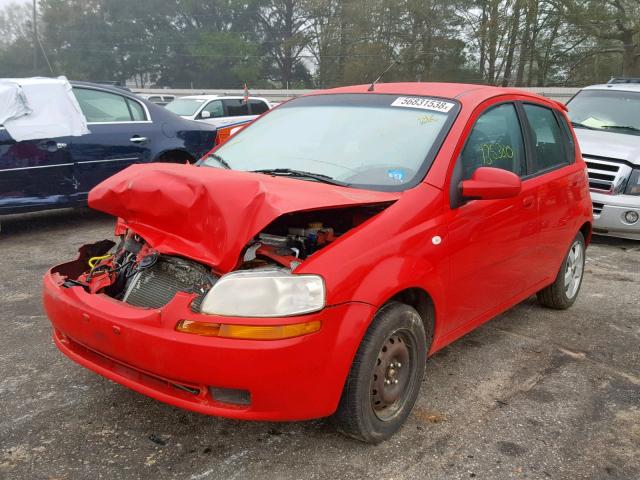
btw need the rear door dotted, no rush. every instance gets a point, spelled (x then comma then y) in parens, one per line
(121, 134)
(34, 174)
(492, 241)
(559, 180)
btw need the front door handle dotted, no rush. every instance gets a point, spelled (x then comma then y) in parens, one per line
(137, 139)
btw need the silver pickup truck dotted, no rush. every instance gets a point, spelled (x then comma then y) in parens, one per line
(606, 119)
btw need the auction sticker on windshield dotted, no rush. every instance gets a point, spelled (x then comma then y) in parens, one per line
(423, 103)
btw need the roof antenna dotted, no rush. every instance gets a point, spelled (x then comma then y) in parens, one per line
(373, 84)
(396, 62)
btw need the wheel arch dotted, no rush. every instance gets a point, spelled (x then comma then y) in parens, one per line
(424, 304)
(586, 230)
(175, 155)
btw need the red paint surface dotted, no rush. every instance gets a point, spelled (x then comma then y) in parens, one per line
(492, 255)
(209, 214)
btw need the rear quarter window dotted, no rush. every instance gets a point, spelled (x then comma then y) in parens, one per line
(258, 107)
(137, 112)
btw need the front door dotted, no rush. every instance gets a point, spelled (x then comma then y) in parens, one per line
(34, 174)
(492, 241)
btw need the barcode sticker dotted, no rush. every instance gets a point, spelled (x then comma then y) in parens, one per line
(423, 103)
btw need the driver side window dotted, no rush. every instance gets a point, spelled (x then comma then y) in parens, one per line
(495, 141)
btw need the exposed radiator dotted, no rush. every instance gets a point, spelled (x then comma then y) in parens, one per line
(156, 285)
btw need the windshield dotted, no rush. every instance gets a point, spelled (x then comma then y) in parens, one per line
(362, 140)
(610, 110)
(185, 106)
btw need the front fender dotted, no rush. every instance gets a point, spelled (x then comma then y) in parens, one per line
(393, 251)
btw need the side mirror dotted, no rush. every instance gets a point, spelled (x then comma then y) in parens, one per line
(205, 114)
(489, 183)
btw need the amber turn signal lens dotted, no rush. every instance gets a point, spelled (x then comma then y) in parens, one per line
(248, 332)
(198, 328)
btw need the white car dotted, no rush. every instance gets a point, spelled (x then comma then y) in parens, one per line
(606, 119)
(218, 110)
(158, 99)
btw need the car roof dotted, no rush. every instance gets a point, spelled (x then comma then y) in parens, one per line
(464, 92)
(219, 97)
(621, 87)
(102, 86)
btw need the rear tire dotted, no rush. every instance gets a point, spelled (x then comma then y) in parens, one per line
(385, 377)
(562, 293)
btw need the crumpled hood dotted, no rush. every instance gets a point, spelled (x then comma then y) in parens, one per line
(210, 214)
(609, 144)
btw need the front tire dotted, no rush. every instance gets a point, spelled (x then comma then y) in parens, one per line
(562, 293)
(385, 377)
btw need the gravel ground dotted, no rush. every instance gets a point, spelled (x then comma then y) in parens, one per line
(534, 393)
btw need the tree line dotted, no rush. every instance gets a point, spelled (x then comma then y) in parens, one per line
(322, 43)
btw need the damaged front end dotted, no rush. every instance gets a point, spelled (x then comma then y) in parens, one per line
(262, 283)
(208, 269)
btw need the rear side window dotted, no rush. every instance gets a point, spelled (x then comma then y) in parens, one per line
(236, 107)
(258, 107)
(551, 146)
(495, 141)
(137, 112)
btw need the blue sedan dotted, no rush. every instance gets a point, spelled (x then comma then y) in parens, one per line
(125, 129)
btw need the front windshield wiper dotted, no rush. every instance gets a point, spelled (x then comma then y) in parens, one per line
(582, 125)
(218, 159)
(288, 172)
(623, 127)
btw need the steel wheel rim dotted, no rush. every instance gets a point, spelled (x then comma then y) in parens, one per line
(573, 269)
(392, 375)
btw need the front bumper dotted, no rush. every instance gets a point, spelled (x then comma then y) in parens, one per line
(293, 379)
(608, 215)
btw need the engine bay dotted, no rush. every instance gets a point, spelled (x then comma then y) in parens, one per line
(135, 273)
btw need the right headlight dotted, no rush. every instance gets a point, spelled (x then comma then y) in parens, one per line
(264, 293)
(633, 184)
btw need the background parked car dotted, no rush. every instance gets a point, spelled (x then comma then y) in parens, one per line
(607, 123)
(219, 110)
(158, 99)
(125, 129)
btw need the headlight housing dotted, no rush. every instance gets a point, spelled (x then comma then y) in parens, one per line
(265, 293)
(633, 184)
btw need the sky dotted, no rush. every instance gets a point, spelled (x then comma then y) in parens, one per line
(4, 3)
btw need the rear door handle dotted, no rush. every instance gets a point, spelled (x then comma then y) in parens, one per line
(137, 139)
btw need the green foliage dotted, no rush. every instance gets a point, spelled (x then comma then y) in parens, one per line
(308, 43)
(16, 50)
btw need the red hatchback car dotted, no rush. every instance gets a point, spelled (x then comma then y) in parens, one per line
(308, 266)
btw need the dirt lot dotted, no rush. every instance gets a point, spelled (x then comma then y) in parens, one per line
(532, 394)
